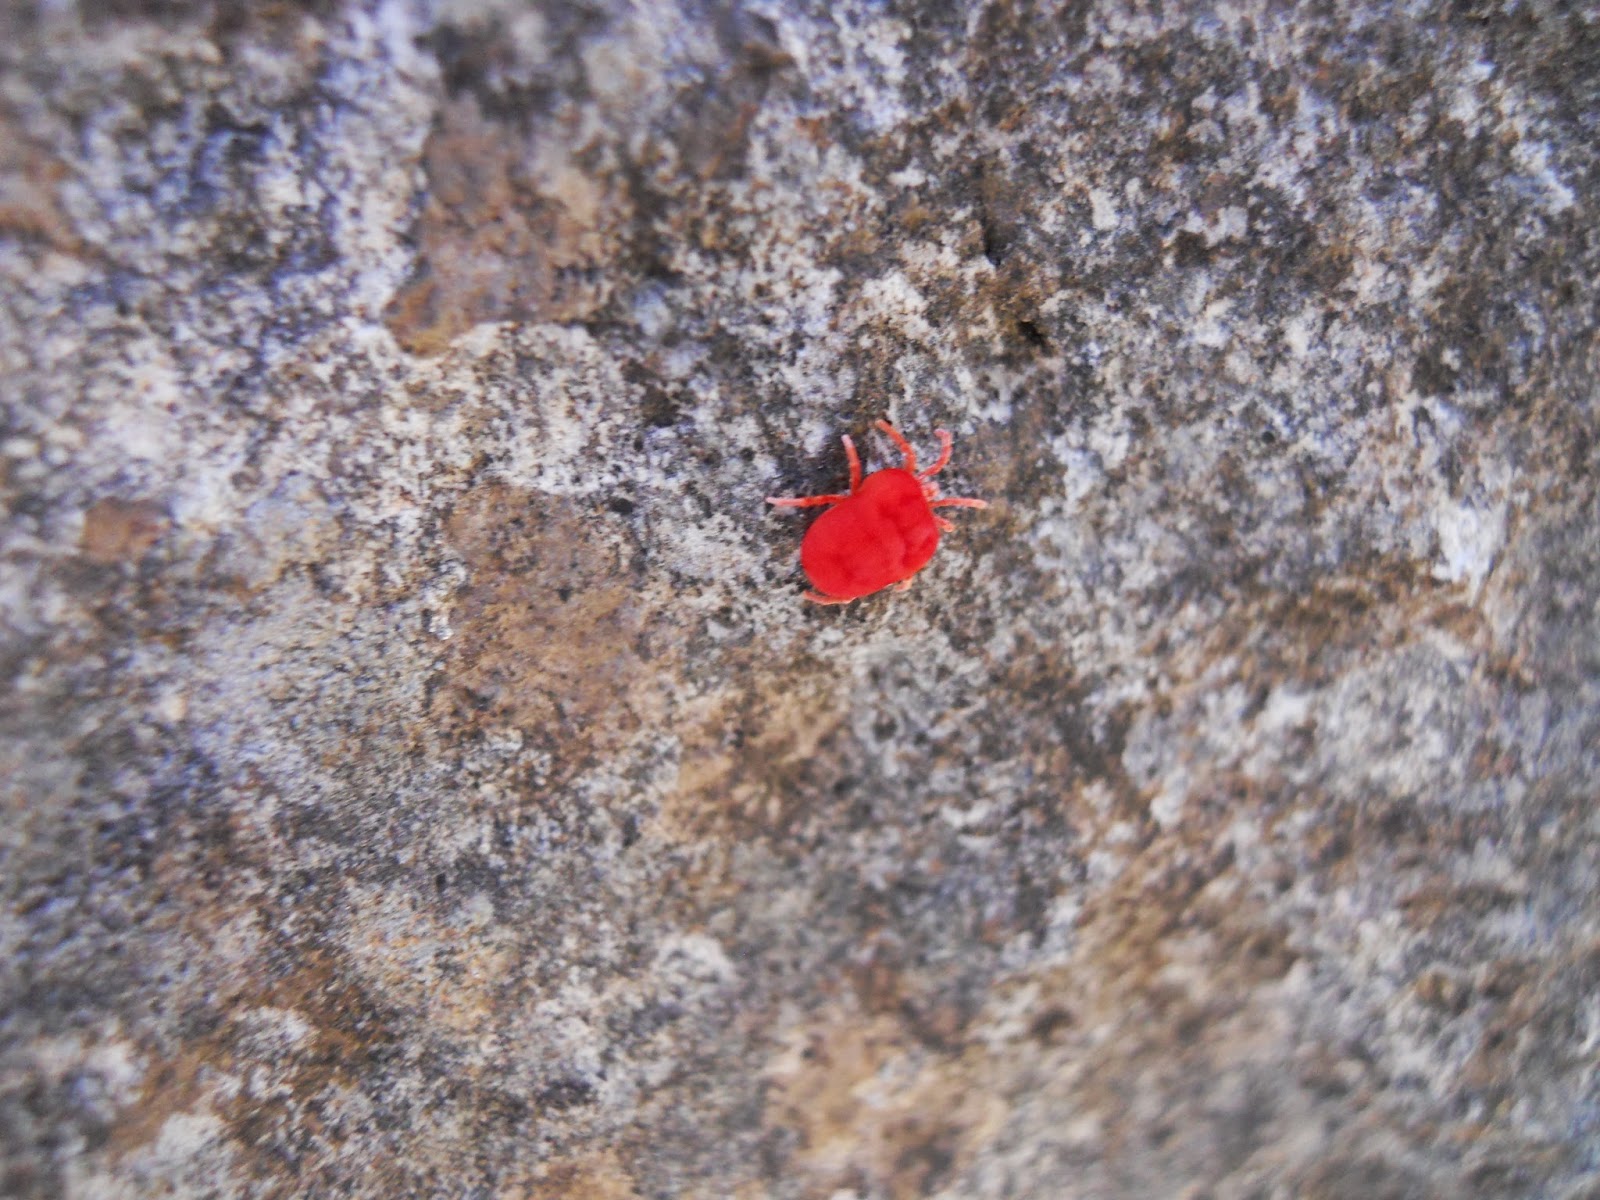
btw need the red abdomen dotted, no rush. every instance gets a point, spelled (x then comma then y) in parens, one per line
(881, 535)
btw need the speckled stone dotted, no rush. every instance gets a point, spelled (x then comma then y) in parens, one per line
(422, 776)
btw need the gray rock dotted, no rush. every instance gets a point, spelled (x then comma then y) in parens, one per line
(423, 776)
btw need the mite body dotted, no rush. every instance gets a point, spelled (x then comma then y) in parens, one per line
(879, 533)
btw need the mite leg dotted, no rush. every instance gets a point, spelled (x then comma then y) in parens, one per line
(804, 501)
(944, 454)
(958, 502)
(819, 598)
(905, 446)
(854, 460)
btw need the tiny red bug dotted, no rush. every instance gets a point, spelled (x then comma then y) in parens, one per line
(881, 532)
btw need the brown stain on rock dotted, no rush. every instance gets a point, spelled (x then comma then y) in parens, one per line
(751, 756)
(116, 530)
(30, 202)
(552, 635)
(345, 1034)
(503, 237)
(872, 1111)
(598, 1176)
(1132, 931)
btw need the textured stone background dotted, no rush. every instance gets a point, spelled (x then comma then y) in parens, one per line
(422, 777)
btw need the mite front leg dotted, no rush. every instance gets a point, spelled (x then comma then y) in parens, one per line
(906, 451)
(804, 501)
(945, 442)
(854, 459)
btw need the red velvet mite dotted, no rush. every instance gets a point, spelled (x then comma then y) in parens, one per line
(881, 532)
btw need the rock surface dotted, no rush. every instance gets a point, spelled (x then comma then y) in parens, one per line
(423, 778)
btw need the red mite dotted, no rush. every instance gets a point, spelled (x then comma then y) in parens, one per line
(882, 531)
